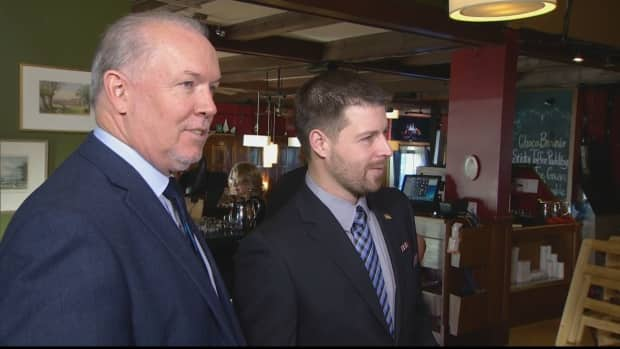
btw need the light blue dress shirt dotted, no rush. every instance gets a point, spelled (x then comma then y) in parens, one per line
(156, 180)
(344, 212)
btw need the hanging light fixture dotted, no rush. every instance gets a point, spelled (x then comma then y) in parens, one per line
(256, 140)
(578, 58)
(498, 10)
(294, 142)
(392, 113)
(270, 151)
(270, 155)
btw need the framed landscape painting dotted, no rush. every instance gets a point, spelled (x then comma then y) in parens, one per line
(23, 167)
(53, 99)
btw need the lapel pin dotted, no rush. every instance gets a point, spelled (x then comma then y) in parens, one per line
(387, 216)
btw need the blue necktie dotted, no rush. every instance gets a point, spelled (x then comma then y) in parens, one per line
(172, 193)
(366, 248)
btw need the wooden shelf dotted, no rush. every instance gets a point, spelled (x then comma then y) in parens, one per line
(541, 299)
(468, 304)
(536, 230)
(526, 286)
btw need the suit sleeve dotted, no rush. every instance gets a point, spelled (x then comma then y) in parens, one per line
(61, 285)
(264, 294)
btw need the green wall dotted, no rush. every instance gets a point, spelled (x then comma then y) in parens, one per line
(59, 33)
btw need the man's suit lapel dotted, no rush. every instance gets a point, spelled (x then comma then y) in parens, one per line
(325, 229)
(393, 234)
(148, 209)
(159, 222)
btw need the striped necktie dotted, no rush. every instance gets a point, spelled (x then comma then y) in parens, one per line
(172, 193)
(365, 246)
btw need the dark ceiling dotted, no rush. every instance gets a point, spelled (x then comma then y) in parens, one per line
(403, 44)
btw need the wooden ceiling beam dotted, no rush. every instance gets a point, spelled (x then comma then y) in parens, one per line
(433, 21)
(393, 66)
(426, 58)
(396, 15)
(246, 63)
(383, 45)
(278, 24)
(146, 5)
(341, 53)
(195, 4)
(170, 5)
(274, 47)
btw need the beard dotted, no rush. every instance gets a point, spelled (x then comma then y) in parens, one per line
(355, 178)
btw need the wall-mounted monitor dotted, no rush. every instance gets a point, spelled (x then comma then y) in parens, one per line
(422, 191)
(413, 129)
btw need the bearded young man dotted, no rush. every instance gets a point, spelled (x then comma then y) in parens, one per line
(338, 264)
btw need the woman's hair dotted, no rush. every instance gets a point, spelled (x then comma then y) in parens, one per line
(248, 173)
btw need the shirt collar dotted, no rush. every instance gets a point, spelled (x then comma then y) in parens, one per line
(343, 210)
(156, 180)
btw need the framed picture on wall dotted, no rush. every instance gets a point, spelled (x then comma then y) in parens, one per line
(23, 167)
(53, 99)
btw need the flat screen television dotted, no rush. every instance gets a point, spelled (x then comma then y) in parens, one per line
(413, 129)
(422, 191)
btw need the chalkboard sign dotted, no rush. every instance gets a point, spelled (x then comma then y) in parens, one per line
(541, 136)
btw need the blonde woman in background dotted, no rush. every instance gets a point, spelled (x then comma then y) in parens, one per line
(245, 182)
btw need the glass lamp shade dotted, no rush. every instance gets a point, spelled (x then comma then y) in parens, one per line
(498, 10)
(394, 114)
(294, 142)
(270, 155)
(256, 140)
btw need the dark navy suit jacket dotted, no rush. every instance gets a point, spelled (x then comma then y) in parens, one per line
(299, 280)
(93, 258)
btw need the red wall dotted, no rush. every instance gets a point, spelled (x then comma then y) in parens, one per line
(481, 112)
(243, 117)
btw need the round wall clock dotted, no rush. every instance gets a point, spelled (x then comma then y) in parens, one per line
(471, 167)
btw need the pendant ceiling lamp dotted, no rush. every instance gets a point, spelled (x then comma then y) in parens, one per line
(270, 151)
(392, 113)
(270, 155)
(293, 142)
(256, 140)
(498, 10)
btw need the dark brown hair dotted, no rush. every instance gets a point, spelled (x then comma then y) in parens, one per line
(321, 101)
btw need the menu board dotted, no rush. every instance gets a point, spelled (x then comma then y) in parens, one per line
(542, 134)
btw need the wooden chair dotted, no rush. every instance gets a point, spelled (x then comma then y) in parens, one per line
(582, 308)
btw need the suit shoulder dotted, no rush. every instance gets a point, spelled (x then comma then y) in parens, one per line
(389, 194)
(281, 222)
(286, 225)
